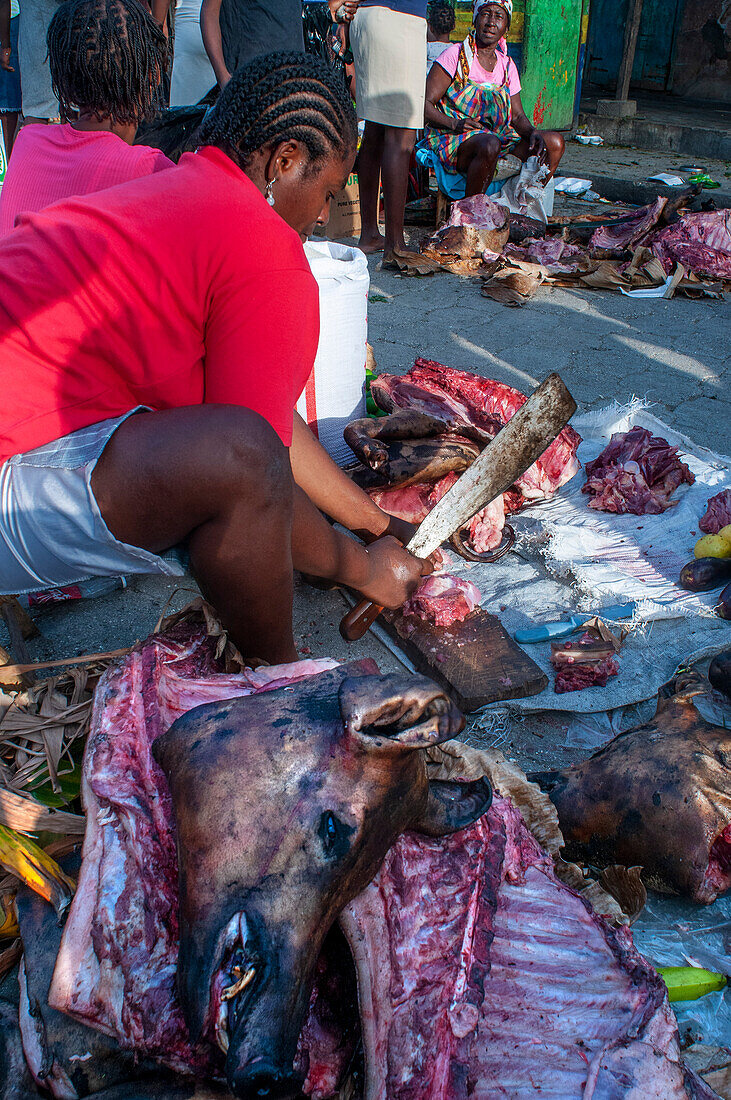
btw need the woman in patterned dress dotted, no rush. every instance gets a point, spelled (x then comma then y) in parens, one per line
(474, 112)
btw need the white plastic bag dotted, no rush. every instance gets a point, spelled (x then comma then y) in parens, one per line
(334, 393)
(527, 193)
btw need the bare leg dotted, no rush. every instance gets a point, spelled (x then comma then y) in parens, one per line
(10, 124)
(369, 183)
(397, 148)
(477, 159)
(218, 478)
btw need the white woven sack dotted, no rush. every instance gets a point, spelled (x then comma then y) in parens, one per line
(335, 391)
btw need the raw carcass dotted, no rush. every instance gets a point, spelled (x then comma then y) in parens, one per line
(717, 514)
(481, 976)
(630, 231)
(158, 943)
(636, 472)
(443, 600)
(658, 796)
(471, 410)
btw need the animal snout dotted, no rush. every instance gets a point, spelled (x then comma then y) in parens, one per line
(265, 1082)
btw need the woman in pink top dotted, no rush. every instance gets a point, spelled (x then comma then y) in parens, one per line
(107, 58)
(474, 112)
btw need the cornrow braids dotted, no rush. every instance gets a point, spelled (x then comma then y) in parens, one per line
(283, 97)
(107, 57)
(440, 14)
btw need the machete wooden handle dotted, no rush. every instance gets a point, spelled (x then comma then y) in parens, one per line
(359, 620)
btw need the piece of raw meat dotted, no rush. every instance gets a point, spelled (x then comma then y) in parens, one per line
(717, 514)
(628, 232)
(701, 242)
(583, 664)
(555, 254)
(414, 502)
(479, 210)
(636, 472)
(481, 976)
(443, 600)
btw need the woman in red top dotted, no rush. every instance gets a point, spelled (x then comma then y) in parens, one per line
(187, 293)
(107, 59)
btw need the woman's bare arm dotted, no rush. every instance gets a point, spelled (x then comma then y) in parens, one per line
(160, 9)
(212, 41)
(437, 83)
(329, 489)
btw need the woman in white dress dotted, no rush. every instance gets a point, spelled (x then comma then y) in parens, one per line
(193, 75)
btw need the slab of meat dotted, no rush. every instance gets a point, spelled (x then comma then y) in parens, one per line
(631, 230)
(583, 664)
(479, 210)
(481, 976)
(718, 513)
(636, 472)
(701, 242)
(117, 965)
(443, 600)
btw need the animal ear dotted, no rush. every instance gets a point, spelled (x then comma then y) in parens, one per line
(391, 710)
(454, 806)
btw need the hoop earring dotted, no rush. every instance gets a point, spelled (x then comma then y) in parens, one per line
(269, 192)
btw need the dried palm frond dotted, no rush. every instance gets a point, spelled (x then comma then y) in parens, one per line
(41, 739)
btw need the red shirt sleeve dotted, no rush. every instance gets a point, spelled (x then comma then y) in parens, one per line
(261, 341)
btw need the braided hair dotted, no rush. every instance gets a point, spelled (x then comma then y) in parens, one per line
(107, 57)
(440, 14)
(283, 97)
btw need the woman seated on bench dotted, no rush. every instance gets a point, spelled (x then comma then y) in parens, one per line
(474, 113)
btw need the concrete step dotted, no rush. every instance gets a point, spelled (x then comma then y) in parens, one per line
(646, 132)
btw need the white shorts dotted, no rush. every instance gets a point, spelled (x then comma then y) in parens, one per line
(51, 530)
(389, 49)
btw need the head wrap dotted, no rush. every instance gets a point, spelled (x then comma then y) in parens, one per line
(507, 4)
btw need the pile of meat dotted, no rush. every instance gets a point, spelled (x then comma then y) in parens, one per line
(479, 973)
(664, 232)
(717, 514)
(636, 472)
(457, 413)
(583, 664)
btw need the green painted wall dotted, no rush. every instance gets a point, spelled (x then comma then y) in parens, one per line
(550, 54)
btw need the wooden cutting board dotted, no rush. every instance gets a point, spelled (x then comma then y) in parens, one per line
(476, 660)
